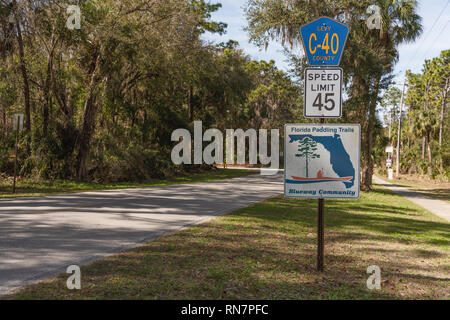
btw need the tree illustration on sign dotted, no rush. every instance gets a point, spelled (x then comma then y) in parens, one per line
(307, 148)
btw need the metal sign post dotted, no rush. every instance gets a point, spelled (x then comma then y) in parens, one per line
(322, 161)
(320, 236)
(17, 126)
(321, 229)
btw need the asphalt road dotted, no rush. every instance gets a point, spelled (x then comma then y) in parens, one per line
(41, 236)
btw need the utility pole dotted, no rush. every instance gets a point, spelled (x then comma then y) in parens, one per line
(389, 161)
(399, 138)
(441, 125)
(390, 126)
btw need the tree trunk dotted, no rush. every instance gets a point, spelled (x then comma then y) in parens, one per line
(4, 122)
(359, 93)
(307, 173)
(430, 160)
(23, 69)
(409, 126)
(367, 171)
(90, 112)
(47, 97)
(191, 103)
(424, 143)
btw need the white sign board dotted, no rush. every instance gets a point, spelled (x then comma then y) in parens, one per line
(322, 161)
(389, 149)
(388, 163)
(323, 93)
(18, 122)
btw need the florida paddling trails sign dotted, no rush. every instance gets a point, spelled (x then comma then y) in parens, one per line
(322, 161)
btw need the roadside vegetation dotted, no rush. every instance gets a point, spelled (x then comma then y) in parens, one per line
(268, 251)
(31, 187)
(100, 102)
(425, 122)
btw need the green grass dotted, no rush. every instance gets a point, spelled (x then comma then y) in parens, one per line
(27, 187)
(268, 251)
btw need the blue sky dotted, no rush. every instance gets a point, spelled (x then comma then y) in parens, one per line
(434, 39)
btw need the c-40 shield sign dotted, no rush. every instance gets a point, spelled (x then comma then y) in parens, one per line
(324, 41)
(322, 161)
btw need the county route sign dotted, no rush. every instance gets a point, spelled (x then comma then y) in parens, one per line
(324, 41)
(322, 161)
(323, 92)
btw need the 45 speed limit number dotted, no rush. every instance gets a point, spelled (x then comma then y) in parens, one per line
(323, 92)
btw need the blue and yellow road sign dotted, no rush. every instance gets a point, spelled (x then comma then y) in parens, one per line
(324, 41)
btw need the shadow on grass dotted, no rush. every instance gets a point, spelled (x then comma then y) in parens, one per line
(440, 194)
(229, 266)
(403, 222)
(267, 251)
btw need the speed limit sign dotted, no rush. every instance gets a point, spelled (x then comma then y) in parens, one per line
(323, 92)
